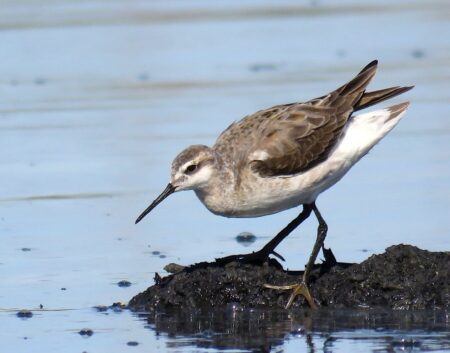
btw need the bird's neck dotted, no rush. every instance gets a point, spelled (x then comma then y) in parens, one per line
(217, 194)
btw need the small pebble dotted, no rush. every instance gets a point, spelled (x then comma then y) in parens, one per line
(63, 288)
(162, 256)
(124, 283)
(41, 306)
(143, 76)
(118, 307)
(245, 238)
(262, 67)
(40, 81)
(418, 53)
(132, 343)
(341, 53)
(101, 308)
(24, 314)
(26, 249)
(174, 268)
(157, 278)
(86, 332)
(156, 252)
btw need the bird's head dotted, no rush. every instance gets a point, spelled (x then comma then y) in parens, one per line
(191, 170)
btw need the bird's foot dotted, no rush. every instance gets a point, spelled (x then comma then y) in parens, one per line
(297, 289)
(257, 257)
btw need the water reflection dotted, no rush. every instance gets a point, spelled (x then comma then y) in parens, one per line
(321, 330)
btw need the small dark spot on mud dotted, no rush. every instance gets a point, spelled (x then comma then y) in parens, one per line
(26, 249)
(63, 288)
(132, 343)
(173, 268)
(118, 307)
(41, 306)
(40, 81)
(156, 252)
(101, 308)
(157, 278)
(124, 283)
(245, 238)
(86, 332)
(143, 76)
(24, 314)
(162, 256)
(418, 53)
(342, 53)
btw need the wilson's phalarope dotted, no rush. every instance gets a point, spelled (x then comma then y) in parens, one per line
(283, 157)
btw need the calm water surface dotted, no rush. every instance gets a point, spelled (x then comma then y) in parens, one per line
(98, 97)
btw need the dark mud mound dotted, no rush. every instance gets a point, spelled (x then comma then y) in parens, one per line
(404, 277)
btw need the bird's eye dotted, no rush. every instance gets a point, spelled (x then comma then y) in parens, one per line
(190, 169)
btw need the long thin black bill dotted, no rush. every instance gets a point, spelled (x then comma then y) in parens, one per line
(167, 191)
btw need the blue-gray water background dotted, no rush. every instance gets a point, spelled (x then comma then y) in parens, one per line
(97, 97)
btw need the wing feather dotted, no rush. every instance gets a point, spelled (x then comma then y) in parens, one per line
(292, 138)
(301, 136)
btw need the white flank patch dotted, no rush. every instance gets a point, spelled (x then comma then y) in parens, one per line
(366, 130)
(259, 155)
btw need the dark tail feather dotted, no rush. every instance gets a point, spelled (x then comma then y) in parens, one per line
(348, 95)
(369, 65)
(370, 98)
(359, 83)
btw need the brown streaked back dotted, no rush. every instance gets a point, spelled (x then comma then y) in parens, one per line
(293, 137)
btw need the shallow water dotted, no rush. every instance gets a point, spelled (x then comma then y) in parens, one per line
(98, 97)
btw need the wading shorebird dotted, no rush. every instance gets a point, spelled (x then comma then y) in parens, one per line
(283, 157)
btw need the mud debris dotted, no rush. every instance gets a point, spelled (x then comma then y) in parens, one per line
(403, 277)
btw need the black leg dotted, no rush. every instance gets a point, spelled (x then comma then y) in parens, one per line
(321, 234)
(263, 254)
(302, 288)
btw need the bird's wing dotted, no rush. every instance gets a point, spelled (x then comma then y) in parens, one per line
(296, 137)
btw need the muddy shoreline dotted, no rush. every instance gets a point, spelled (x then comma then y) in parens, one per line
(404, 277)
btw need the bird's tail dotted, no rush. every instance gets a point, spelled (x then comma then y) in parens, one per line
(365, 130)
(367, 99)
(370, 98)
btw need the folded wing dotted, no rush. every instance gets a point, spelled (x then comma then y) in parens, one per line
(301, 135)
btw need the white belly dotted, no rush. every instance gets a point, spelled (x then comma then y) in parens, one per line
(277, 194)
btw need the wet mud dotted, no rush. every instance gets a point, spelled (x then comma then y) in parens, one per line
(403, 277)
